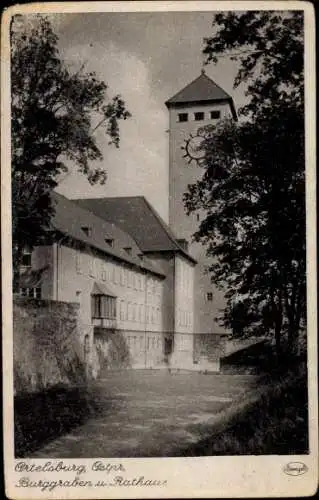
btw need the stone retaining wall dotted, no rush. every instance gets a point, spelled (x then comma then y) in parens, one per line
(47, 351)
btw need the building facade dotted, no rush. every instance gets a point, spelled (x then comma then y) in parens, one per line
(200, 103)
(132, 304)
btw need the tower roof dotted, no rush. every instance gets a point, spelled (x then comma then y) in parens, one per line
(201, 90)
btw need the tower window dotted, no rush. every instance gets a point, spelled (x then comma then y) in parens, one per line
(183, 117)
(209, 296)
(200, 115)
(215, 115)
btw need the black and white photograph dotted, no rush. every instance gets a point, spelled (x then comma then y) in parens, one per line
(159, 275)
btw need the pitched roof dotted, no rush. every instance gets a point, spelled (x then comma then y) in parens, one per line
(202, 89)
(137, 217)
(101, 289)
(70, 219)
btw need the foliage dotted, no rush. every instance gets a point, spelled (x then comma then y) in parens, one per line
(268, 45)
(252, 190)
(53, 112)
(273, 420)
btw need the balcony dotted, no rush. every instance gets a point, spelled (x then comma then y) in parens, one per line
(104, 322)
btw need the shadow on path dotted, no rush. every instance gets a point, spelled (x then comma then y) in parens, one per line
(41, 417)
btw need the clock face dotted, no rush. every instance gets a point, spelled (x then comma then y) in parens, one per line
(193, 148)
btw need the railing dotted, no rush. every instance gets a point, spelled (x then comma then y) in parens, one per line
(104, 322)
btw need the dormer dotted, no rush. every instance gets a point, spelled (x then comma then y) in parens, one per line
(128, 250)
(87, 230)
(109, 242)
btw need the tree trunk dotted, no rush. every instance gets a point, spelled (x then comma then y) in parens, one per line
(278, 317)
(293, 337)
(17, 252)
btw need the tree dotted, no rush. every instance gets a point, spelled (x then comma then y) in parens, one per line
(253, 184)
(53, 112)
(268, 45)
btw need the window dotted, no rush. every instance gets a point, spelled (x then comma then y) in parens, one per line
(183, 117)
(128, 250)
(103, 306)
(87, 230)
(33, 293)
(26, 259)
(147, 314)
(133, 312)
(138, 282)
(158, 315)
(116, 274)
(129, 311)
(215, 115)
(200, 115)
(209, 296)
(109, 241)
(123, 276)
(122, 310)
(92, 267)
(78, 263)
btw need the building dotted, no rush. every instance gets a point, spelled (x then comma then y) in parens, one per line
(200, 103)
(135, 289)
(144, 297)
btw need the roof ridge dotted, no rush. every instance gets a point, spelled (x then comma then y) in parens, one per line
(136, 205)
(184, 88)
(117, 252)
(162, 222)
(107, 198)
(218, 86)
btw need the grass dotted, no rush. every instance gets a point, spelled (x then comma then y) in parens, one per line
(273, 421)
(268, 415)
(41, 417)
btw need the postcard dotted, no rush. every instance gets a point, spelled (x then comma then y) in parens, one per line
(158, 196)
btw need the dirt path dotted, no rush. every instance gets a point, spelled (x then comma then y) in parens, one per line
(149, 413)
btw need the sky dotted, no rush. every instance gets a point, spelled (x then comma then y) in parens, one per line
(146, 57)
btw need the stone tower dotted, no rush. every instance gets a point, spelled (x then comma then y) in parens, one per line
(200, 103)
